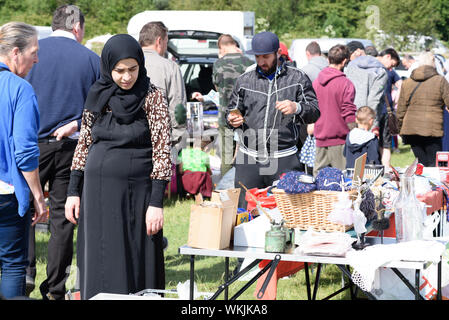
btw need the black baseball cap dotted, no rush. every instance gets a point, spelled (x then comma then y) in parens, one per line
(264, 43)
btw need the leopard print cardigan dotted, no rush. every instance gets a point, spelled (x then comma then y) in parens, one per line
(156, 110)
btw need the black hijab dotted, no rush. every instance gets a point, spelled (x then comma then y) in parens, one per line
(126, 105)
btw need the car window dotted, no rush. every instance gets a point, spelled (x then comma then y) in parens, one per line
(194, 46)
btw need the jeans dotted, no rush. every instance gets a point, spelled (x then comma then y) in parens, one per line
(14, 231)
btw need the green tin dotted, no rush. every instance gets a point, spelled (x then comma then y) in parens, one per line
(275, 239)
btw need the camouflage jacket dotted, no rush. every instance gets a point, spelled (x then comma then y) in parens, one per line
(225, 71)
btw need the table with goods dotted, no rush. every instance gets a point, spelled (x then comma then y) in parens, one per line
(385, 231)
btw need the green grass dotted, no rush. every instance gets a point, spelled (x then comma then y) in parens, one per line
(403, 158)
(209, 271)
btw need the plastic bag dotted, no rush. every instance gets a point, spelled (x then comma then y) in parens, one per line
(265, 200)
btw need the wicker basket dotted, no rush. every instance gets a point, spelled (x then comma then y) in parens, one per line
(305, 210)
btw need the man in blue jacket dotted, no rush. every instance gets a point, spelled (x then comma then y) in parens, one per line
(61, 80)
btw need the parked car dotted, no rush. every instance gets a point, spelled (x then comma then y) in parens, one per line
(195, 52)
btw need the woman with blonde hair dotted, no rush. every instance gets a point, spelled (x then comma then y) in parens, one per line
(421, 104)
(19, 154)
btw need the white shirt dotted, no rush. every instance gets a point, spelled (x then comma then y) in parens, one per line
(63, 33)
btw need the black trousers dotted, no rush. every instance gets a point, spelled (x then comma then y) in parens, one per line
(54, 167)
(260, 175)
(424, 148)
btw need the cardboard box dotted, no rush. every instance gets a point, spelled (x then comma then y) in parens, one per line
(211, 224)
(228, 197)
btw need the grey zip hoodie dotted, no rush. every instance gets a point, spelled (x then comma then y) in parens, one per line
(315, 65)
(369, 78)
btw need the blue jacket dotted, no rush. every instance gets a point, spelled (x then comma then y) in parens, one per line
(19, 125)
(358, 142)
(63, 63)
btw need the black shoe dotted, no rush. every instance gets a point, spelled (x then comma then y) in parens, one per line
(46, 295)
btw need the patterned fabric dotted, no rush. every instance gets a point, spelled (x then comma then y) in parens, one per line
(156, 110)
(308, 151)
(329, 178)
(290, 183)
(225, 71)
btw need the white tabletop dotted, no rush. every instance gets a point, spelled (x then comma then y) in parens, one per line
(259, 253)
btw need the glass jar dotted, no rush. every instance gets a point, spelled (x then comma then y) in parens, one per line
(399, 206)
(413, 219)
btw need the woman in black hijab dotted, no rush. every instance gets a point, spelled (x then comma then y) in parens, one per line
(123, 154)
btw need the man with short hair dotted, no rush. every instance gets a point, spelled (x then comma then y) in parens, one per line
(356, 49)
(231, 64)
(409, 63)
(371, 51)
(61, 80)
(390, 59)
(164, 73)
(369, 77)
(335, 95)
(316, 62)
(268, 103)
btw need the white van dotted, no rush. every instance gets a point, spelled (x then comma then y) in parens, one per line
(239, 24)
(297, 49)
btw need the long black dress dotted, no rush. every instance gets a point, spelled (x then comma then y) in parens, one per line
(114, 252)
(116, 194)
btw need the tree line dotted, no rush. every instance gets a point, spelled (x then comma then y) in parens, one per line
(288, 18)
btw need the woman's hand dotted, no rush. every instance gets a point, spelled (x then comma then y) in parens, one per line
(72, 209)
(154, 220)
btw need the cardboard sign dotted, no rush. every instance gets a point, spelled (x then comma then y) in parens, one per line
(359, 170)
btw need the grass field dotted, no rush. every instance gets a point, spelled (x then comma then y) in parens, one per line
(209, 271)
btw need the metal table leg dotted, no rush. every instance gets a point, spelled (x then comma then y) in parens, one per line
(317, 280)
(192, 276)
(226, 291)
(306, 270)
(417, 276)
(274, 264)
(348, 274)
(234, 278)
(250, 282)
(439, 293)
(407, 283)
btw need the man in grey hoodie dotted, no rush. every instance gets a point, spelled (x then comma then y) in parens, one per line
(316, 61)
(369, 78)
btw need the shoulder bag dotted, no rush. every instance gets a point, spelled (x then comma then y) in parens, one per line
(393, 122)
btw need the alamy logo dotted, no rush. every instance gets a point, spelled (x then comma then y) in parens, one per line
(73, 16)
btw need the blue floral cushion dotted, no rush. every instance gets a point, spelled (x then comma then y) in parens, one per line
(326, 176)
(290, 183)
